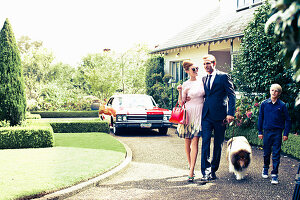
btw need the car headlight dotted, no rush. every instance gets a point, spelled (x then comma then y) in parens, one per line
(121, 118)
(166, 117)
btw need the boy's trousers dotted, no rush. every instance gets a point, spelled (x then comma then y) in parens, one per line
(272, 138)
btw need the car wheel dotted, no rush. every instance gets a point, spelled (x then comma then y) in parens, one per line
(163, 130)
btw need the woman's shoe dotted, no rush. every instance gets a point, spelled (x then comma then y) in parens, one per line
(189, 170)
(190, 179)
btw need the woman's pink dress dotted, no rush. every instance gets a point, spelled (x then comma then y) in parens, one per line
(195, 90)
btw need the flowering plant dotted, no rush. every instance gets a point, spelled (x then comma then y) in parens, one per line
(247, 109)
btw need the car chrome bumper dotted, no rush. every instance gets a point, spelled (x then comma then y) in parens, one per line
(142, 125)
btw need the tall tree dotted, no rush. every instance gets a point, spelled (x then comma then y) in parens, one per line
(12, 92)
(133, 68)
(99, 75)
(103, 74)
(25, 44)
(48, 84)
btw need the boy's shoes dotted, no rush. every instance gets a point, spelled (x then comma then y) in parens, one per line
(274, 180)
(264, 173)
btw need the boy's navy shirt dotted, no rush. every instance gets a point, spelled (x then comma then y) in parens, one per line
(273, 116)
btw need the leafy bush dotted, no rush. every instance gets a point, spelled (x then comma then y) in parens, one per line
(157, 82)
(26, 137)
(250, 133)
(79, 127)
(286, 16)
(247, 110)
(4, 123)
(259, 64)
(290, 147)
(66, 114)
(54, 97)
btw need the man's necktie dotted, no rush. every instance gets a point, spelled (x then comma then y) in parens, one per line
(208, 82)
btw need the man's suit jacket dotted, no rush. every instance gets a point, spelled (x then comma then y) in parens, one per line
(220, 99)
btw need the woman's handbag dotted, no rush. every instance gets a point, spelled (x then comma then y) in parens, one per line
(179, 115)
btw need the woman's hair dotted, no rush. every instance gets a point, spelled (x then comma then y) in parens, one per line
(186, 65)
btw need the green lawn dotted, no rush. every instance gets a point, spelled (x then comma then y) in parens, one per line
(75, 157)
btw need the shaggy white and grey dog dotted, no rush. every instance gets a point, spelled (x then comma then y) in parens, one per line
(238, 156)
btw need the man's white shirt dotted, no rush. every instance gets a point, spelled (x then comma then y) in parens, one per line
(213, 76)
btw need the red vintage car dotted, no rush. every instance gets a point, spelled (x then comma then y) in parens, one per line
(135, 111)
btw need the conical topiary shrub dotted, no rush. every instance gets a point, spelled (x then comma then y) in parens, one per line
(12, 92)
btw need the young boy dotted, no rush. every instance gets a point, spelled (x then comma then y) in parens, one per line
(273, 118)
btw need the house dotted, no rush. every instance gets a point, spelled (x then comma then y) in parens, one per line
(219, 33)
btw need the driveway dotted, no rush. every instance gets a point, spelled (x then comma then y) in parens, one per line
(159, 171)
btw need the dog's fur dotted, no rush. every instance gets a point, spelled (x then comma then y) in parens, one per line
(238, 156)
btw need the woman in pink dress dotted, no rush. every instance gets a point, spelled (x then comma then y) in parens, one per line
(193, 89)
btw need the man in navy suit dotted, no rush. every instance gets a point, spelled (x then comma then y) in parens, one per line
(219, 106)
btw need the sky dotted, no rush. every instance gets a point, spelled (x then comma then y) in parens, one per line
(74, 28)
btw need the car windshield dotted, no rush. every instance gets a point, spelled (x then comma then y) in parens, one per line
(133, 101)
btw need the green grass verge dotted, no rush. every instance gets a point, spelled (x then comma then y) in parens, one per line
(89, 140)
(75, 158)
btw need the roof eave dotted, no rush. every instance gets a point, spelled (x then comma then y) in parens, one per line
(228, 37)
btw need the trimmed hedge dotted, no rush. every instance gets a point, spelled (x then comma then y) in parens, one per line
(26, 137)
(33, 116)
(290, 147)
(66, 114)
(79, 127)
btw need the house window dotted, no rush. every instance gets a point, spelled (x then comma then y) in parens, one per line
(244, 4)
(177, 71)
